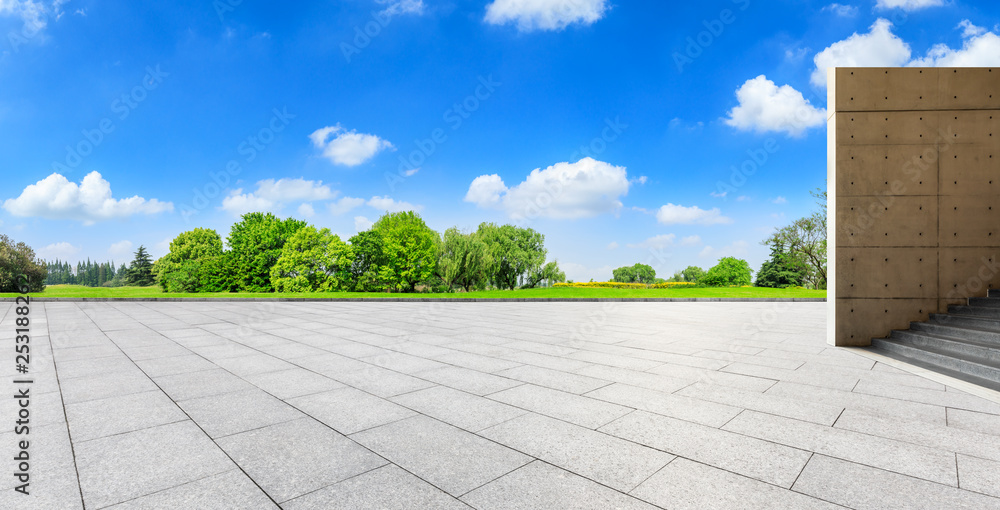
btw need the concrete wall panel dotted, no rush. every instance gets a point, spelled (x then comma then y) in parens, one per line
(887, 272)
(887, 220)
(857, 318)
(914, 174)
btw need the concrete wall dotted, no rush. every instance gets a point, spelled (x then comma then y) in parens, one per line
(914, 195)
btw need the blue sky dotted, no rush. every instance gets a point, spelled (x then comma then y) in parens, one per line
(655, 132)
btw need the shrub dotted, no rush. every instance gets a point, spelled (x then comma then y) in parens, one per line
(729, 272)
(18, 259)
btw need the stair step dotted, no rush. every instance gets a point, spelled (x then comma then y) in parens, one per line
(993, 301)
(965, 321)
(954, 331)
(982, 353)
(993, 293)
(934, 359)
(990, 312)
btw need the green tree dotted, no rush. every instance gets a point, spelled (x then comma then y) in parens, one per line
(370, 271)
(806, 240)
(692, 274)
(255, 242)
(782, 270)
(729, 272)
(550, 273)
(140, 271)
(637, 273)
(409, 247)
(463, 260)
(219, 274)
(516, 253)
(313, 260)
(17, 259)
(180, 269)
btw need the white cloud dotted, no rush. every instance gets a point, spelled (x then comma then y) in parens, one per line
(719, 195)
(293, 190)
(389, 205)
(56, 198)
(161, 248)
(61, 251)
(742, 198)
(671, 214)
(737, 249)
(766, 107)
(656, 242)
(691, 241)
(271, 195)
(907, 5)
(396, 7)
(545, 14)
(120, 249)
(563, 191)
(344, 205)
(878, 48)
(980, 48)
(796, 55)
(361, 223)
(846, 11)
(306, 210)
(33, 14)
(348, 148)
(780, 200)
(239, 203)
(613, 245)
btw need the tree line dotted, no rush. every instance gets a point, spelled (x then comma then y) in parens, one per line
(399, 253)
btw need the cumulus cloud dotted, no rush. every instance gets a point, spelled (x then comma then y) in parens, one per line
(671, 214)
(61, 251)
(34, 14)
(737, 249)
(907, 5)
(306, 210)
(344, 205)
(347, 148)
(56, 198)
(691, 241)
(361, 223)
(980, 48)
(396, 7)
(271, 195)
(878, 48)
(583, 189)
(240, 203)
(120, 249)
(545, 14)
(656, 242)
(766, 107)
(389, 205)
(846, 11)
(293, 190)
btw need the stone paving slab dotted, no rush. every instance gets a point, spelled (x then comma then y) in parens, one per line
(263, 404)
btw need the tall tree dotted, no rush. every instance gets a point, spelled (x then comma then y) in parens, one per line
(255, 243)
(140, 272)
(729, 272)
(516, 253)
(463, 260)
(180, 269)
(409, 247)
(805, 239)
(313, 260)
(17, 259)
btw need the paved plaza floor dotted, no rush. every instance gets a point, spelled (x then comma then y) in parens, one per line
(301, 405)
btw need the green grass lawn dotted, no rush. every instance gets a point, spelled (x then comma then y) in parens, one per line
(74, 291)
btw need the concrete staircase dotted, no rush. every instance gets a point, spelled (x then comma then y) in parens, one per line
(963, 343)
